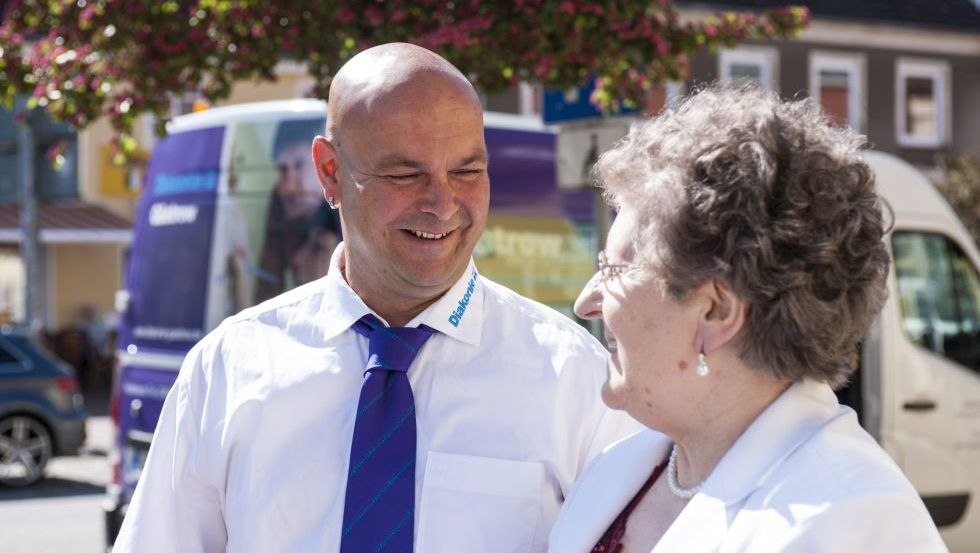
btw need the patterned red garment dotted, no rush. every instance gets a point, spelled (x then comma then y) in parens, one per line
(612, 540)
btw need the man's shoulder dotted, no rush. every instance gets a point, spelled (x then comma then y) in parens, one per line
(291, 302)
(503, 302)
(288, 312)
(271, 329)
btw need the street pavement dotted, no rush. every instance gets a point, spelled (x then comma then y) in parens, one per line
(63, 512)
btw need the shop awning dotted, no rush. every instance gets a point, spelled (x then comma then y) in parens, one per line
(68, 222)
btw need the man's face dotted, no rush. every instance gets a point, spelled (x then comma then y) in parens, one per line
(413, 195)
(297, 186)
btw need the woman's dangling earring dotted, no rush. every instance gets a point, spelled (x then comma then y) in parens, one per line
(330, 202)
(702, 369)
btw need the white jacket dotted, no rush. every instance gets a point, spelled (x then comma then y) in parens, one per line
(803, 477)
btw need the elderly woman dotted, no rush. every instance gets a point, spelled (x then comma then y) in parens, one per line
(744, 265)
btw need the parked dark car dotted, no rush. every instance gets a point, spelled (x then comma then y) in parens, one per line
(42, 414)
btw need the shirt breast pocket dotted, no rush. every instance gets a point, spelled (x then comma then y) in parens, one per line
(478, 504)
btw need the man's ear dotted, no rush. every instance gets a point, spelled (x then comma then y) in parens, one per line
(723, 316)
(325, 162)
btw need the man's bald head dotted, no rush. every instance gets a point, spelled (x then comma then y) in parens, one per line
(391, 75)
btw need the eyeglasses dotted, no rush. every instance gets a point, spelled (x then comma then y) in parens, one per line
(608, 271)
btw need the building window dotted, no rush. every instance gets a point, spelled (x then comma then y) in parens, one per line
(750, 63)
(837, 83)
(922, 103)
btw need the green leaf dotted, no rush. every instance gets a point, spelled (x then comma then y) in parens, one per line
(128, 144)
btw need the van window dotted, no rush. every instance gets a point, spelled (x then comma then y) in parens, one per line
(273, 228)
(939, 294)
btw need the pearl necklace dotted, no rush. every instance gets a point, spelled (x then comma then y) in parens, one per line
(675, 488)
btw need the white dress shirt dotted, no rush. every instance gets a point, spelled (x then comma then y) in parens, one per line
(251, 450)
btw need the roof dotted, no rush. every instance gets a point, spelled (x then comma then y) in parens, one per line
(911, 197)
(959, 15)
(68, 222)
(300, 108)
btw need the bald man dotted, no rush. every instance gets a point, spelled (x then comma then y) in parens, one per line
(272, 438)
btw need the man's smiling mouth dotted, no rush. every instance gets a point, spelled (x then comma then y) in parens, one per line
(429, 235)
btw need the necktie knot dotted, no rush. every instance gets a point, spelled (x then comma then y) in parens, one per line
(391, 348)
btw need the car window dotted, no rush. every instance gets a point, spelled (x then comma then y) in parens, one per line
(939, 295)
(32, 351)
(6, 356)
(10, 359)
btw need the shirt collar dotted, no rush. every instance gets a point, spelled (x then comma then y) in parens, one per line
(457, 314)
(341, 306)
(794, 417)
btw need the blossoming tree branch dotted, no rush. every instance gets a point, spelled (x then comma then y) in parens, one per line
(82, 60)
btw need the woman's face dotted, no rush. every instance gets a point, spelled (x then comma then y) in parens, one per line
(651, 338)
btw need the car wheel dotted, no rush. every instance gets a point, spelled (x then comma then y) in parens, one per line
(25, 448)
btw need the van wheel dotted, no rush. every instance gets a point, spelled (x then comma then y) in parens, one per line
(25, 448)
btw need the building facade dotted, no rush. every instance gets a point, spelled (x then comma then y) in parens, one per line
(905, 72)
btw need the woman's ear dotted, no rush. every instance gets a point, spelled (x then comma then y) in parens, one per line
(325, 163)
(723, 316)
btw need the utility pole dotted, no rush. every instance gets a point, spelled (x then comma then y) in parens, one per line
(30, 246)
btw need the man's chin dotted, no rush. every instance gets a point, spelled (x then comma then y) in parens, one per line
(434, 281)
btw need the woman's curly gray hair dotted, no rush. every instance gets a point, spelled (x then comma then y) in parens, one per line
(771, 198)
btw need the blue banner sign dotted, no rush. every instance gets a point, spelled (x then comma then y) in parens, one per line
(562, 106)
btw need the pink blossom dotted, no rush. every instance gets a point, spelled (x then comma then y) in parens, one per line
(346, 15)
(593, 8)
(543, 67)
(660, 45)
(374, 15)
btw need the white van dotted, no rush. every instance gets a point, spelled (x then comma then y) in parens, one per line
(918, 386)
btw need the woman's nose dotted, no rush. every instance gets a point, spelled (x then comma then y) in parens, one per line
(588, 305)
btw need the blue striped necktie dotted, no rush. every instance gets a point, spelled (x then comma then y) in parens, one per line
(379, 510)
